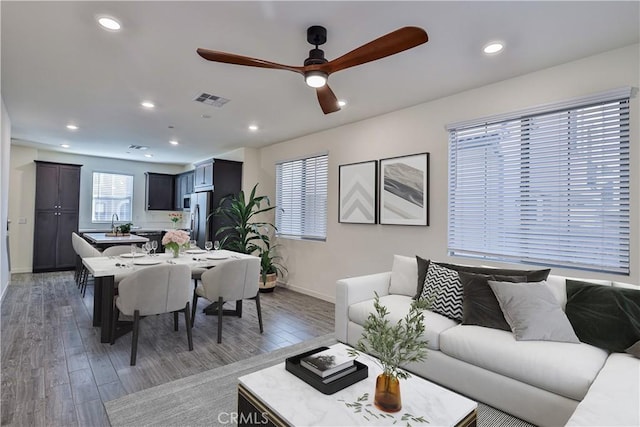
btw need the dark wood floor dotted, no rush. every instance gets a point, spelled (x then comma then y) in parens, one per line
(55, 371)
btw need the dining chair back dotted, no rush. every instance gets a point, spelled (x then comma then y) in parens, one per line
(116, 250)
(84, 250)
(154, 290)
(75, 244)
(232, 280)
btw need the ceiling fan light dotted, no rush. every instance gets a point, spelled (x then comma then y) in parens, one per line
(315, 79)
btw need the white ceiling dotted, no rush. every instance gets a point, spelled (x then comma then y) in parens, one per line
(59, 67)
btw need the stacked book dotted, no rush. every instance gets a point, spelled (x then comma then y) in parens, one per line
(329, 364)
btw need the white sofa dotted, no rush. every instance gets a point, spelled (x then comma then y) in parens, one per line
(542, 382)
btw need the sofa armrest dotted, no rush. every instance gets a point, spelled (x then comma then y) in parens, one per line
(353, 290)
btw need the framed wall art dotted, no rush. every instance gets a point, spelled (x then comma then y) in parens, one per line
(358, 193)
(404, 190)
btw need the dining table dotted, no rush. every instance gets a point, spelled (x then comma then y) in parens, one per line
(106, 269)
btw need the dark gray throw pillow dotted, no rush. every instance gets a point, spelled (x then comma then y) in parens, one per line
(423, 266)
(479, 304)
(605, 316)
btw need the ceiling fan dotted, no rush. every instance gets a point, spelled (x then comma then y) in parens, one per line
(317, 69)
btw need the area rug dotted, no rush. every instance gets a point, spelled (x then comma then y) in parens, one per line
(200, 399)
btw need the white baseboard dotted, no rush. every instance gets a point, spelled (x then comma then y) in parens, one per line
(307, 292)
(20, 270)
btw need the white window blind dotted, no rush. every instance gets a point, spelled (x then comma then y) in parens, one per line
(301, 198)
(112, 194)
(549, 188)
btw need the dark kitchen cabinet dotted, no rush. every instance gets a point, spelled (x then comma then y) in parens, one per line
(203, 176)
(56, 215)
(183, 190)
(227, 178)
(159, 193)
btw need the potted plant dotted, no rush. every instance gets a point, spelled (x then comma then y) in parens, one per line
(393, 345)
(270, 266)
(125, 229)
(242, 233)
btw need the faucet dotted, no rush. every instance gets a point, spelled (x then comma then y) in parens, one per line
(112, 222)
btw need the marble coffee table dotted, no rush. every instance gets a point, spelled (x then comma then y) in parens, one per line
(274, 396)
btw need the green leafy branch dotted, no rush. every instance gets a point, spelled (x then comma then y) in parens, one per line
(394, 344)
(361, 406)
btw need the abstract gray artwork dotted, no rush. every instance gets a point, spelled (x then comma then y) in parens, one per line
(404, 199)
(358, 193)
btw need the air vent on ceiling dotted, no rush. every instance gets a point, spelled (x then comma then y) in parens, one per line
(138, 147)
(216, 101)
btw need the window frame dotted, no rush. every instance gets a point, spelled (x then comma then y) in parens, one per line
(130, 197)
(510, 236)
(307, 227)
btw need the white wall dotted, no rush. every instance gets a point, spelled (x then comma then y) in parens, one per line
(354, 249)
(22, 196)
(5, 142)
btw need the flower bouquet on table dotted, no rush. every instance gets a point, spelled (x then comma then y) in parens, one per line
(175, 217)
(174, 239)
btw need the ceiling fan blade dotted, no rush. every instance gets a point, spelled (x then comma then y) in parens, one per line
(390, 44)
(230, 58)
(327, 99)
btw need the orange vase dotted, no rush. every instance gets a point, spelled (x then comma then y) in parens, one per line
(387, 396)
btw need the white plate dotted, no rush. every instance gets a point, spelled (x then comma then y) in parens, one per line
(136, 255)
(195, 251)
(217, 256)
(147, 261)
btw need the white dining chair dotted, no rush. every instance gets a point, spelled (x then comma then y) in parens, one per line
(154, 290)
(85, 250)
(75, 243)
(232, 280)
(116, 250)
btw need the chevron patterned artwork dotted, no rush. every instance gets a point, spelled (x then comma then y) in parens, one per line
(358, 192)
(444, 286)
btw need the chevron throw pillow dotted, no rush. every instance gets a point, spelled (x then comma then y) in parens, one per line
(443, 286)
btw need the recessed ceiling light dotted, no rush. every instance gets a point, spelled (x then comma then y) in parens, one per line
(148, 155)
(493, 47)
(65, 145)
(109, 23)
(253, 128)
(147, 104)
(342, 103)
(173, 142)
(72, 127)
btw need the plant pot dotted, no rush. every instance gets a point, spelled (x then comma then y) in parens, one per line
(387, 397)
(270, 284)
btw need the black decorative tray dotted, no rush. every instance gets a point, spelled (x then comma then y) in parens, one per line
(292, 365)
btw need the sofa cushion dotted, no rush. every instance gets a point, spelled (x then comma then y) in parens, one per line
(443, 289)
(563, 368)
(531, 275)
(404, 274)
(479, 304)
(613, 397)
(604, 316)
(398, 307)
(532, 312)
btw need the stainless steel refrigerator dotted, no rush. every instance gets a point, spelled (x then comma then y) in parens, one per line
(201, 207)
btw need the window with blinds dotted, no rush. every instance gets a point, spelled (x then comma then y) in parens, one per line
(112, 194)
(301, 198)
(549, 187)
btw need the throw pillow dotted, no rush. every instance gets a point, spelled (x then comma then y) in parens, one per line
(423, 266)
(479, 304)
(404, 273)
(634, 350)
(531, 275)
(442, 286)
(604, 316)
(532, 312)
